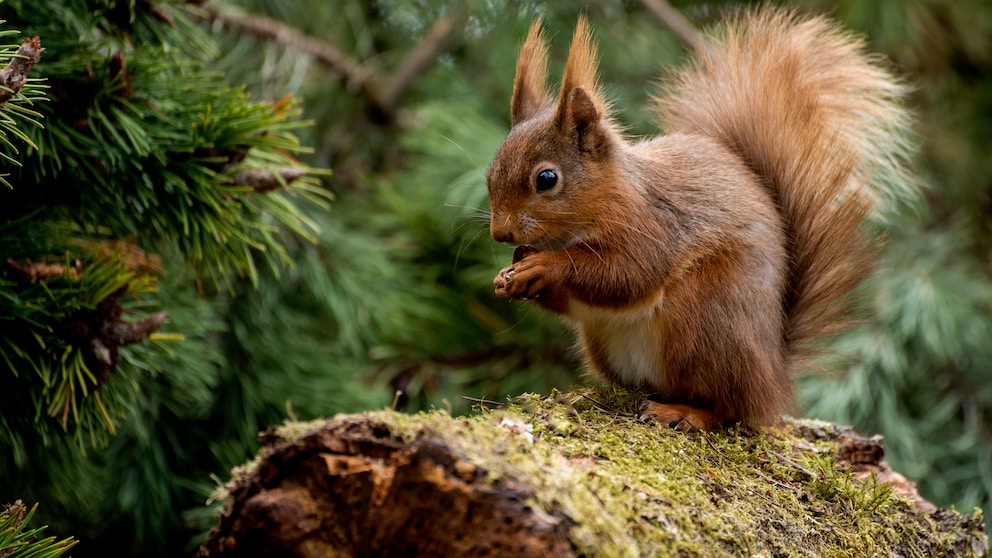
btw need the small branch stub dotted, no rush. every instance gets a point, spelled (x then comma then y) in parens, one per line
(13, 77)
(262, 180)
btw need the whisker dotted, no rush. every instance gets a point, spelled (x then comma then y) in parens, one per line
(465, 224)
(474, 226)
(465, 153)
(464, 244)
(624, 225)
(575, 268)
(530, 308)
(593, 250)
(473, 208)
(631, 228)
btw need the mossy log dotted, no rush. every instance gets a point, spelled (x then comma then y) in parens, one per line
(575, 475)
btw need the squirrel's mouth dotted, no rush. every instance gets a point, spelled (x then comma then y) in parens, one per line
(522, 252)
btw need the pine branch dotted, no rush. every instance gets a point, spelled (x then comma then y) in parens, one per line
(383, 98)
(676, 23)
(355, 74)
(12, 77)
(438, 37)
(17, 540)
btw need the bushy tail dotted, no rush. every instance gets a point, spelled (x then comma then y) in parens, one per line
(822, 123)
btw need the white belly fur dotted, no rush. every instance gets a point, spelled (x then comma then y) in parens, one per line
(630, 337)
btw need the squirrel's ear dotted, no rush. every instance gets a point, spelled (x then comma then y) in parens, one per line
(582, 115)
(582, 111)
(530, 92)
(580, 105)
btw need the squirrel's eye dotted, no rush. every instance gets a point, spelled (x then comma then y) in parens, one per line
(546, 180)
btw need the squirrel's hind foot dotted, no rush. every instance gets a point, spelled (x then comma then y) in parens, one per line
(685, 418)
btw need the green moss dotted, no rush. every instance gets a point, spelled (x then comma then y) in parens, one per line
(635, 488)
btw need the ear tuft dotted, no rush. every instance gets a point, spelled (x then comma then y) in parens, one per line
(530, 92)
(582, 65)
(581, 104)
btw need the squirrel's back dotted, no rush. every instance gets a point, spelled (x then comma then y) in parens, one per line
(821, 122)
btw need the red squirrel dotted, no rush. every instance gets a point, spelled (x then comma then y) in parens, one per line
(700, 264)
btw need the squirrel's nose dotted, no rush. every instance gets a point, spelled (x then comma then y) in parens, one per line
(501, 235)
(500, 231)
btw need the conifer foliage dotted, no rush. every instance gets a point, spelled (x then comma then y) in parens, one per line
(136, 148)
(129, 170)
(17, 541)
(139, 145)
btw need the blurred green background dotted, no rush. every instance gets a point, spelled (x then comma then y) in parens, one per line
(395, 293)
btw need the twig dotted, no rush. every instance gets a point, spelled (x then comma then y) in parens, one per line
(602, 406)
(382, 98)
(355, 74)
(788, 461)
(676, 23)
(483, 401)
(418, 60)
(12, 77)
(775, 482)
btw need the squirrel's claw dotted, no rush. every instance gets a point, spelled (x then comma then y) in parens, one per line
(502, 281)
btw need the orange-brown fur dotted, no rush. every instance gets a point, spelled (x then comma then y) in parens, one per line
(701, 263)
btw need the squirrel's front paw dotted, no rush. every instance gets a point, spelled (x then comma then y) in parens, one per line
(502, 281)
(524, 279)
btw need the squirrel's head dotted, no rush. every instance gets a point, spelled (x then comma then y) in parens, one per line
(546, 182)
